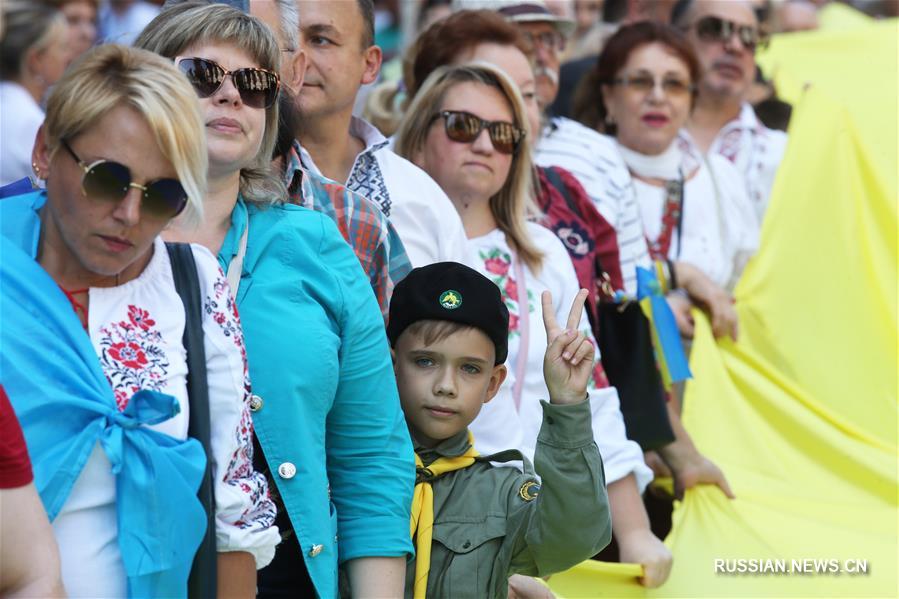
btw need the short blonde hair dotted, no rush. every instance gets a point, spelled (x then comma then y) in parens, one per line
(180, 26)
(515, 203)
(111, 75)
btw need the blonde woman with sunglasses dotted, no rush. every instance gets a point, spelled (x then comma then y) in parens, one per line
(466, 128)
(326, 412)
(93, 357)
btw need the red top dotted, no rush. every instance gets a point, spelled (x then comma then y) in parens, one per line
(15, 467)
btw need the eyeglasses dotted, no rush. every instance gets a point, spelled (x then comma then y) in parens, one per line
(465, 127)
(548, 40)
(644, 84)
(110, 181)
(715, 29)
(258, 88)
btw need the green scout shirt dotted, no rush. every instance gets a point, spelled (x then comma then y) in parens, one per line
(491, 522)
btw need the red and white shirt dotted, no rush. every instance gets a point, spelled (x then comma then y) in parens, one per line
(136, 329)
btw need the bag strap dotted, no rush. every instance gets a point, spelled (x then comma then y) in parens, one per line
(203, 574)
(555, 179)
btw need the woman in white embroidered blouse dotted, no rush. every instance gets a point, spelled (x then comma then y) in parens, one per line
(693, 209)
(466, 128)
(123, 152)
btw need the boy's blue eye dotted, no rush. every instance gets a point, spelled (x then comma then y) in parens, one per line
(424, 362)
(471, 369)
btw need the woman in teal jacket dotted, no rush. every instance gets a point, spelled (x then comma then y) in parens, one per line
(326, 410)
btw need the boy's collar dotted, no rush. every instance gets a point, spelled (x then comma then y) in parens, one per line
(448, 448)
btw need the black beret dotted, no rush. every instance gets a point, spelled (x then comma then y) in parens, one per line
(454, 292)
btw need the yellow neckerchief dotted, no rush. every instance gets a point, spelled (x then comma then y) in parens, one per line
(423, 510)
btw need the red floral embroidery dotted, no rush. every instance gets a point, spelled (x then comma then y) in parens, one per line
(140, 318)
(132, 355)
(496, 266)
(129, 354)
(513, 322)
(512, 288)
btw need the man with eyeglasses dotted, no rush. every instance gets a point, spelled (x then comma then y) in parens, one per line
(725, 34)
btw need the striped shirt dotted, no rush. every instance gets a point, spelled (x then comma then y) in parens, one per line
(374, 240)
(595, 161)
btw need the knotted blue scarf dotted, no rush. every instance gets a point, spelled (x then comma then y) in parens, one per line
(65, 406)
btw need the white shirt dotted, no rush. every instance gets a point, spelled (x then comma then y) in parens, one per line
(594, 160)
(136, 329)
(422, 214)
(124, 27)
(718, 226)
(20, 118)
(755, 151)
(501, 425)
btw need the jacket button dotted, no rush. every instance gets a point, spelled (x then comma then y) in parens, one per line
(316, 549)
(287, 470)
(255, 403)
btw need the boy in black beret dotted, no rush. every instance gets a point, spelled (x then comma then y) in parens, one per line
(475, 524)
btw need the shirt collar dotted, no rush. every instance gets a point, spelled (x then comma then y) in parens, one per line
(448, 448)
(230, 245)
(372, 138)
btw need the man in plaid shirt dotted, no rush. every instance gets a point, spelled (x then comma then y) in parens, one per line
(360, 221)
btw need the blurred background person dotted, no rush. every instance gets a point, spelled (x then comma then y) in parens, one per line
(34, 53)
(795, 15)
(693, 208)
(82, 18)
(725, 35)
(29, 557)
(120, 21)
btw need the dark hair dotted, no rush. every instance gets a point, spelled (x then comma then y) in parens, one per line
(28, 25)
(367, 10)
(289, 120)
(443, 41)
(588, 106)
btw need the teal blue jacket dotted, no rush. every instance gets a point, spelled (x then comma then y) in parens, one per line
(328, 404)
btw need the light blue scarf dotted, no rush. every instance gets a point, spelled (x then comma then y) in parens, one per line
(65, 406)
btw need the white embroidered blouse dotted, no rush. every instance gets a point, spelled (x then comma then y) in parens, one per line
(510, 423)
(136, 329)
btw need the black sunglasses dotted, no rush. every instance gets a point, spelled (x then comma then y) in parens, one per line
(715, 29)
(258, 88)
(465, 127)
(110, 181)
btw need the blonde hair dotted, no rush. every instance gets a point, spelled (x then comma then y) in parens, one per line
(111, 75)
(180, 26)
(515, 202)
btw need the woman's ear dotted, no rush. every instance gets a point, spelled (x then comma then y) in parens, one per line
(496, 381)
(40, 155)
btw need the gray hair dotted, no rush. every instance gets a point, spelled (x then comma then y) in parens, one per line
(27, 26)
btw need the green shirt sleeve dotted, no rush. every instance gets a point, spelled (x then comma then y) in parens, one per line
(569, 519)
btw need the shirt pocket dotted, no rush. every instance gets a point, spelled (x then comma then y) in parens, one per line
(463, 556)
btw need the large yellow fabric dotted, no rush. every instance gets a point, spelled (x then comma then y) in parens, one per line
(801, 413)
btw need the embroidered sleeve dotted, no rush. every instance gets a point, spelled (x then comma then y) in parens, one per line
(245, 513)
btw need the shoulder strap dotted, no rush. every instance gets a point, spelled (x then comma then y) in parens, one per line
(203, 574)
(555, 179)
(509, 455)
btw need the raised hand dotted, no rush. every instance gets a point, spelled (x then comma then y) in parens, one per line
(568, 361)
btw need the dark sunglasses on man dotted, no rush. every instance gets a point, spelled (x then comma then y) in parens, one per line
(716, 29)
(465, 127)
(109, 181)
(258, 88)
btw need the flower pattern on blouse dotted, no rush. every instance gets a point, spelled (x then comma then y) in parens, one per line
(577, 241)
(499, 263)
(222, 309)
(132, 356)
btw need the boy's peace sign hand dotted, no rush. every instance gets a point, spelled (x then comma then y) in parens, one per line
(568, 361)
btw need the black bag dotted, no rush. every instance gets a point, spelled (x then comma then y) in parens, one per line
(203, 574)
(625, 345)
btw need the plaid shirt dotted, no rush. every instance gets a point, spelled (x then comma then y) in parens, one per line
(361, 222)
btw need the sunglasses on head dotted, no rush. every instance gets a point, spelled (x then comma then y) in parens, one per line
(110, 181)
(715, 29)
(465, 127)
(258, 88)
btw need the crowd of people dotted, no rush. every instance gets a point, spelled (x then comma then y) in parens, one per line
(275, 325)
